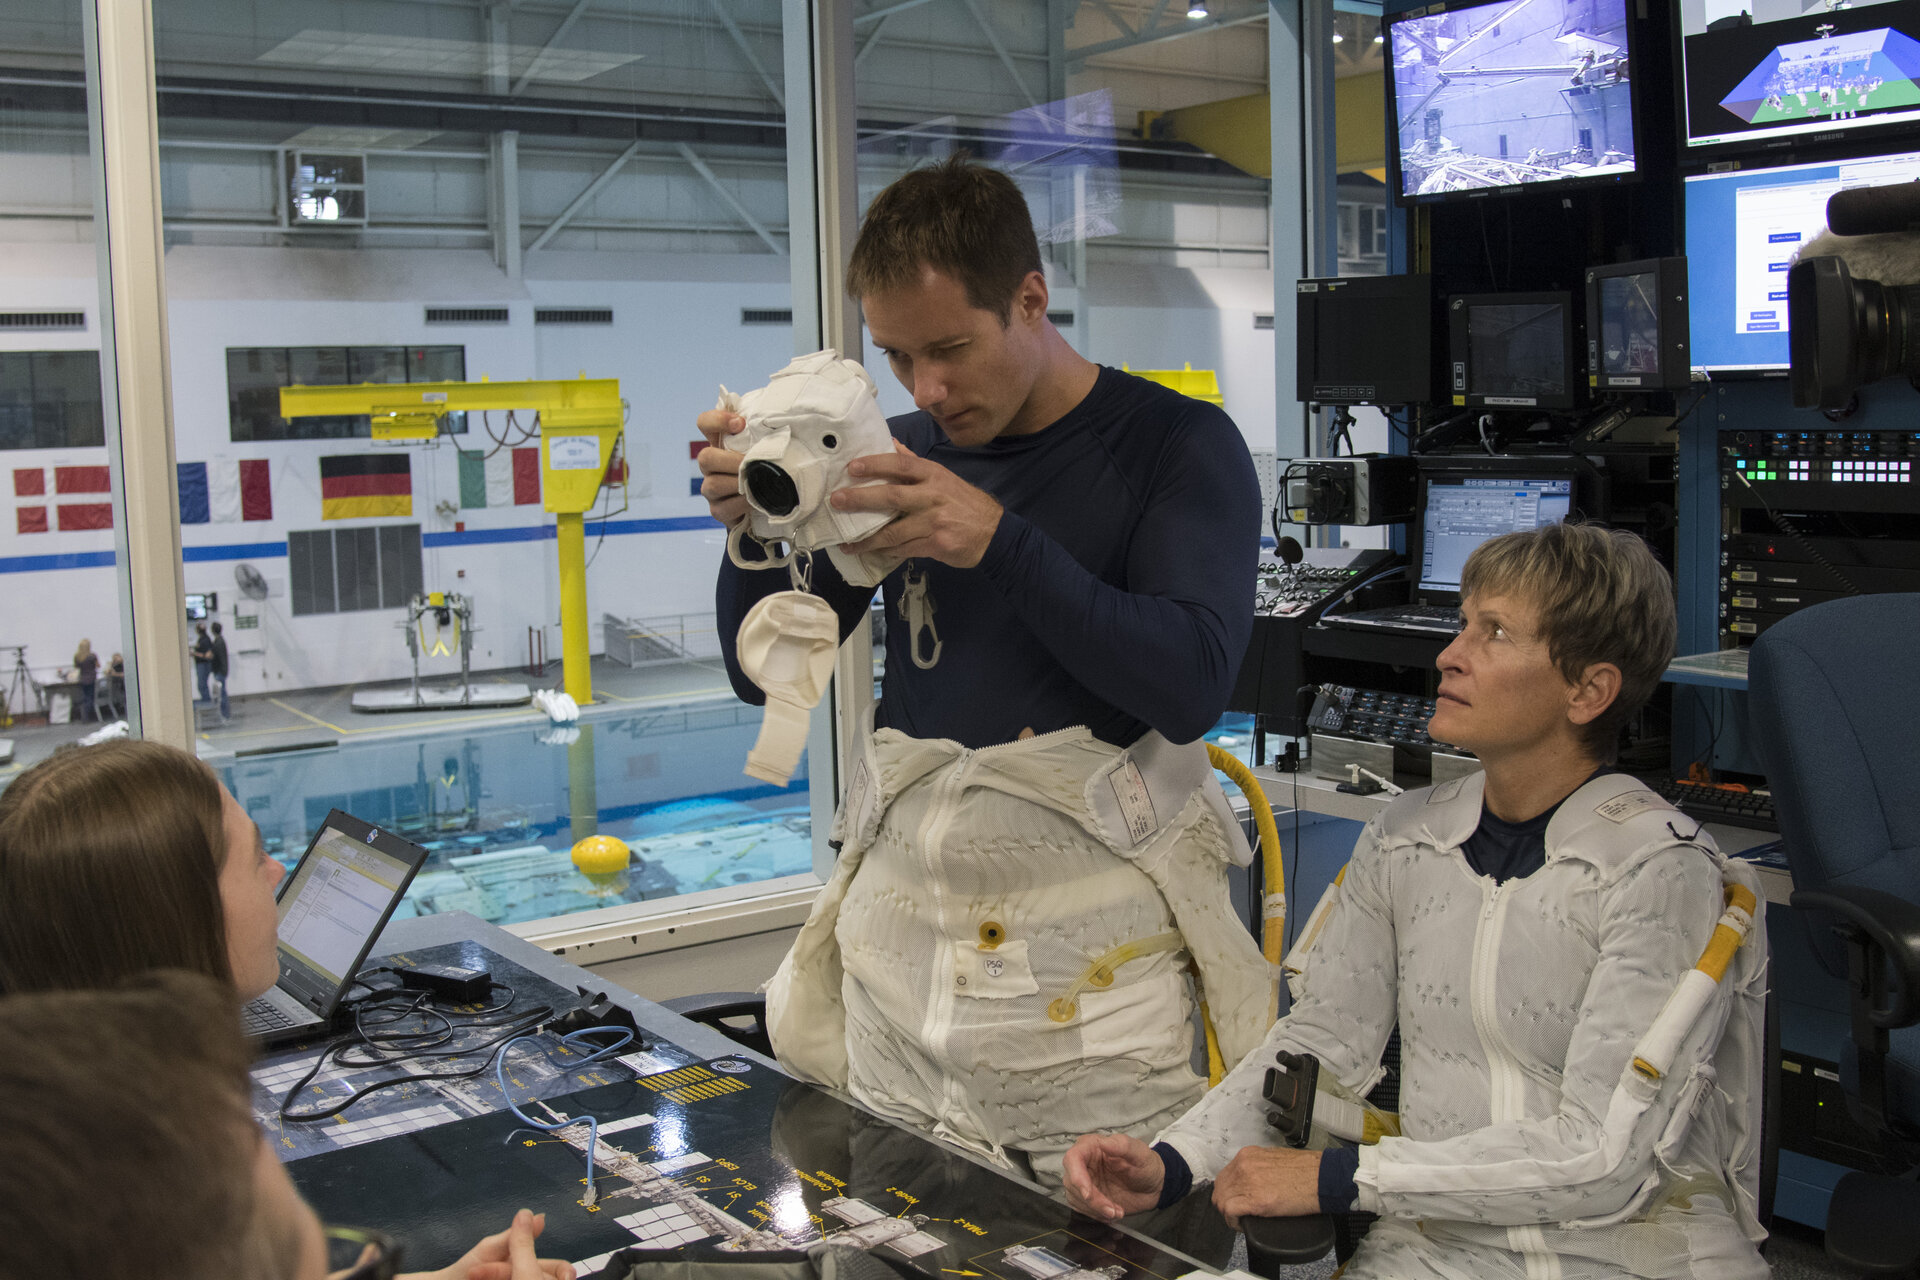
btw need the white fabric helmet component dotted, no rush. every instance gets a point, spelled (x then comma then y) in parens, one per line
(814, 416)
(786, 646)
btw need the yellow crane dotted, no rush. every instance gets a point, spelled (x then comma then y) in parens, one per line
(580, 423)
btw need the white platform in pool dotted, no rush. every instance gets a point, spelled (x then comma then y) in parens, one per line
(479, 697)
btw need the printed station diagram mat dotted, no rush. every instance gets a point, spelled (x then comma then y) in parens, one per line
(542, 1068)
(724, 1154)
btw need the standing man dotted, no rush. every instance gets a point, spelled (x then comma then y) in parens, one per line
(202, 654)
(1030, 869)
(218, 666)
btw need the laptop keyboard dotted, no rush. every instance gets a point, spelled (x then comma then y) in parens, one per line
(263, 1015)
(1444, 613)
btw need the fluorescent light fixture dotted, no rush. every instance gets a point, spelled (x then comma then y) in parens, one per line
(1196, 8)
(361, 51)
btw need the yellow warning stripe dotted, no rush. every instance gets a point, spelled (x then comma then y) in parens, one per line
(673, 1079)
(706, 1089)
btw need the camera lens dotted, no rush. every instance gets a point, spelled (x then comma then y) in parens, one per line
(1845, 333)
(769, 487)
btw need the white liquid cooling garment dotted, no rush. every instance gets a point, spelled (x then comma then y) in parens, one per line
(1001, 956)
(1531, 1147)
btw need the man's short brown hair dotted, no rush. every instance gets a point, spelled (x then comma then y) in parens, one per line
(960, 218)
(1601, 597)
(126, 1141)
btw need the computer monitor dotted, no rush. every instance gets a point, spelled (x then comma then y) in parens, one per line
(1760, 73)
(1637, 326)
(1497, 96)
(1366, 340)
(1743, 229)
(1512, 351)
(1465, 502)
(202, 605)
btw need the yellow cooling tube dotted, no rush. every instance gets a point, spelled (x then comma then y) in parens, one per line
(1654, 1055)
(1273, 907)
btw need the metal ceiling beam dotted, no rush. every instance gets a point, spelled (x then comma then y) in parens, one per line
(1006, 59)
(581, 201)
(559, 34)
(1113, 16)
(692, 157)
(1187, 27)
(873, 38)
(773, 88)
(881, 15)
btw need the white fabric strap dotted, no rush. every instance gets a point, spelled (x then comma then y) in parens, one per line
(783, 736)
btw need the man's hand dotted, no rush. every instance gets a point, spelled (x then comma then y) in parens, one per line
(720, 467)
(506, 1256)
(1268, 1182)
(942, 517)
(1110, 1175)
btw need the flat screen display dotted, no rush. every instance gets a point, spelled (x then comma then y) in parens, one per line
(1629, 325)
(1516, 94)
(1461, 512)
(1760, 71)
(1517, 352)
(1743, 230)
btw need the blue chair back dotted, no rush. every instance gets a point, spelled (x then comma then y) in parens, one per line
(1835, 714)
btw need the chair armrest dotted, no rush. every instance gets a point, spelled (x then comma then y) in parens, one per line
(1276, 1242)
(1888, 925)
(714, 1008)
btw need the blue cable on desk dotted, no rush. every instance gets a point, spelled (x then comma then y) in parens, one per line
(549, 1126)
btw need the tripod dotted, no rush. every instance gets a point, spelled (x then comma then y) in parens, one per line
(22, 689)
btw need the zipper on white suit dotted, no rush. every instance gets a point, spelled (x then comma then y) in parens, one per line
(1506, 1077)
(938, 1025)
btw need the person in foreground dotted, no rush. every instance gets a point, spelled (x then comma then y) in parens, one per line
(127, 1149)
(1524, 927)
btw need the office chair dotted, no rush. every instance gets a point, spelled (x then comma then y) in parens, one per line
(1835, 715)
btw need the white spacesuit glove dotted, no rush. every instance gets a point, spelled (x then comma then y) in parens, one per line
(786, 646)
(810, 420)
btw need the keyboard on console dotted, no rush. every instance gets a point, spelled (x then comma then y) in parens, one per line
(1706, 803)
(1399, 719)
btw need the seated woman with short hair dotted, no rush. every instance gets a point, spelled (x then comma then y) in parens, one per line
(1525, 928)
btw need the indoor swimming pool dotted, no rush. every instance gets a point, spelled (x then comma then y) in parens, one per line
(500, 809)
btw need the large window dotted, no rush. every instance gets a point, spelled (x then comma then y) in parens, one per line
(256, 374)
(50, 400)
(344, 570)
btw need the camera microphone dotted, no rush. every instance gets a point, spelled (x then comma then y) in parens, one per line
(1865, 211)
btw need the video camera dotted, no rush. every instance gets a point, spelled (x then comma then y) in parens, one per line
(1844, 333)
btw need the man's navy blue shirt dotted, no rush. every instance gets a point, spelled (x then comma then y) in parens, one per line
(1116, 592)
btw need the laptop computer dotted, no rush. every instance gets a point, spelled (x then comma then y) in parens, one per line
(332, 909)
(1459, 511)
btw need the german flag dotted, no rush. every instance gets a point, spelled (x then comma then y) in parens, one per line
(355, 486)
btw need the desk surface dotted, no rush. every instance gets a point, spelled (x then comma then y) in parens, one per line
(719, 1147)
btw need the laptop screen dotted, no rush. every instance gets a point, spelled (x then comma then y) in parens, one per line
(1463, 511)
(339, 898)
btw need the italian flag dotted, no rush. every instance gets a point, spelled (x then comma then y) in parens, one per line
(503, 478)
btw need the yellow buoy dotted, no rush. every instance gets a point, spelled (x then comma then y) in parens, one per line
(601, 856)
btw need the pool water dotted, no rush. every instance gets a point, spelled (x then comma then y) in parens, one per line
(499, 810)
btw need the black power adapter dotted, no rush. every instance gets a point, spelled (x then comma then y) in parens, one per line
(447, 982)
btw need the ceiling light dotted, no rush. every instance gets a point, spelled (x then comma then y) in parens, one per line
(1197, 8)
(1338, 38)
(1379, 39)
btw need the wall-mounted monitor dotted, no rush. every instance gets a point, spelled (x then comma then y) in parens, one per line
(1512, 351)
(202, 605)
(1366, 340)
(1637, 326)
(1743, 229)
(1509, 95)
(1768, 72)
